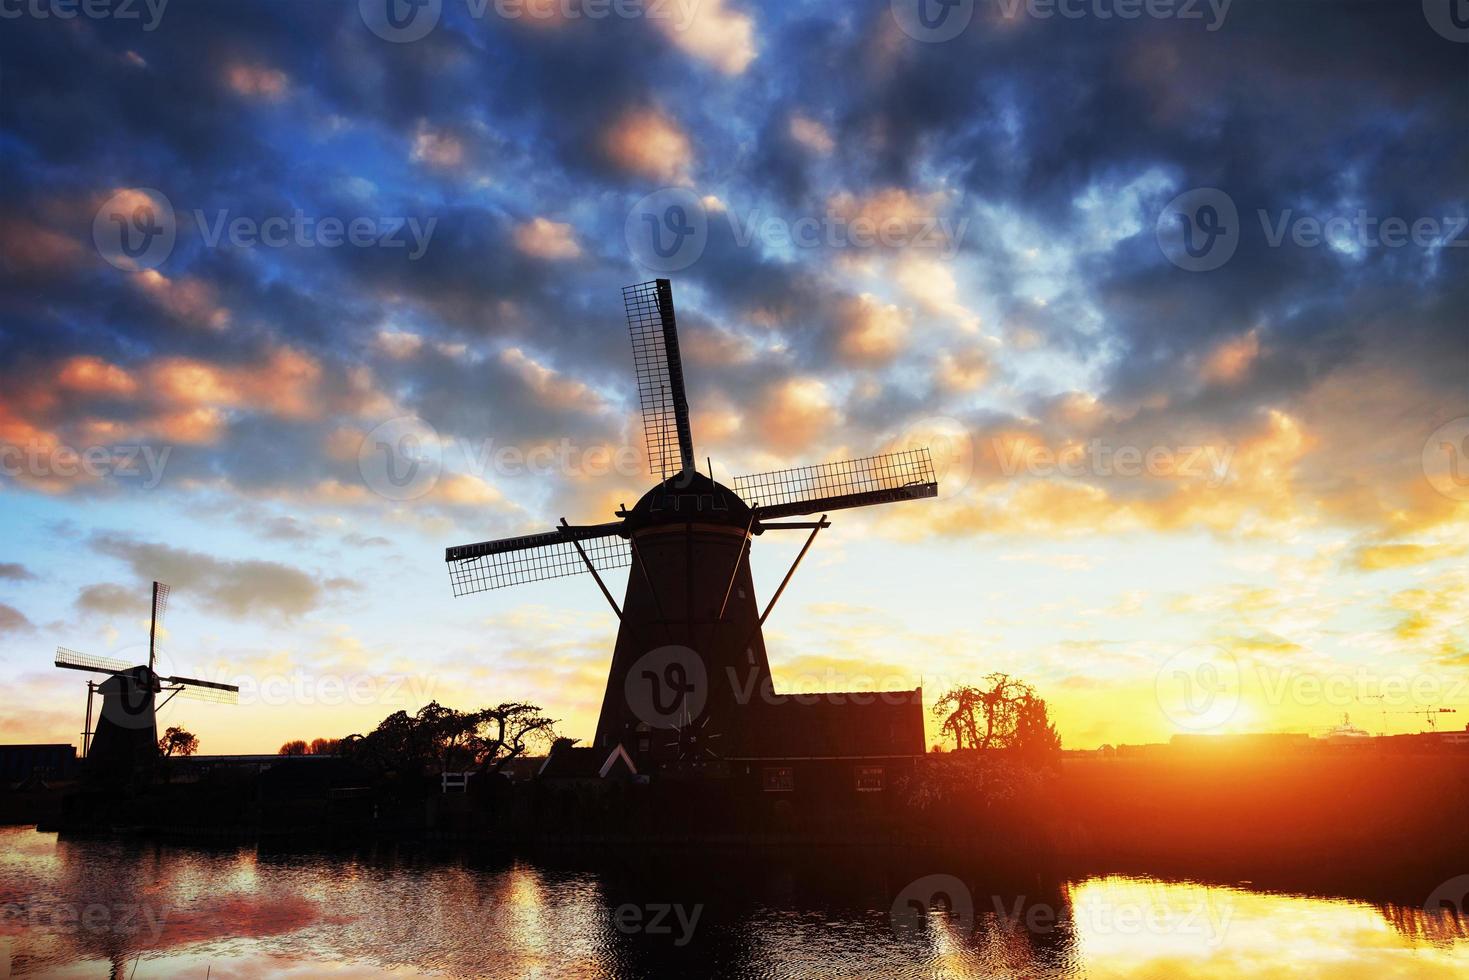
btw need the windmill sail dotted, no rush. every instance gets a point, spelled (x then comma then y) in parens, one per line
(535, 557)
(85, 661)
(197, 690)
(661, 396)
(160, 606)
(861, 482)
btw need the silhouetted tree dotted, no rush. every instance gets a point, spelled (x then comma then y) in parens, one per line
(1036, 738)
(986, 716)
(507, 731)
(440, 739)
(317, 746)
(176, 741)
(1000, 713)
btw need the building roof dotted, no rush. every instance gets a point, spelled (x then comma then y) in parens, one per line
(841, 724)
(586, 762)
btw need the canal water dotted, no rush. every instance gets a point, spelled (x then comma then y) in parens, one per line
(106, 907)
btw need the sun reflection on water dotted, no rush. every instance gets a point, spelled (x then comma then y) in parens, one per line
(1129, 927)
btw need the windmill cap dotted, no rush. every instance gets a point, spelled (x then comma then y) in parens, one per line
(687, 496)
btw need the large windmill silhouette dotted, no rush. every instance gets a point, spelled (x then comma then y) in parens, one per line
(690, 656)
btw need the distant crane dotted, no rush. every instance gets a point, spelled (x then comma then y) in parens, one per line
(1429, 715)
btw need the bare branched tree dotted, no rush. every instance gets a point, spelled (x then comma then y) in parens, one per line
(1002, 712)
(983, 716)
(176, 741)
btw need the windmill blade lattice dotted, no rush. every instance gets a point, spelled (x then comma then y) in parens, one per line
(86, 661)
(534, 558)
(659, 368)
(197, 690)
(887, 478)
(160, 606)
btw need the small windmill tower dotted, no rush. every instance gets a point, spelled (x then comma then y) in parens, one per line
(126, 736)
(690, 679)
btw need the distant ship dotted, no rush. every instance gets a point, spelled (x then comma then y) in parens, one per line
(1346, 731)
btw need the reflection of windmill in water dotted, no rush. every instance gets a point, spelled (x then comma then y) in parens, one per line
(690, 655)
(127, 728)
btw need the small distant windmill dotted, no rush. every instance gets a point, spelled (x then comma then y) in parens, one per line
(689, 538)
(127, 729)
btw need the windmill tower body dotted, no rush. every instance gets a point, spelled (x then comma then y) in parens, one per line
(690, 682)
(690, 593)
(127, 729)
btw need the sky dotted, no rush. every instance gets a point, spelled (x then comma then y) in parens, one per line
(1177, 300)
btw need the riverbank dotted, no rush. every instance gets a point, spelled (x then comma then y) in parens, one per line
(1224, 815)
